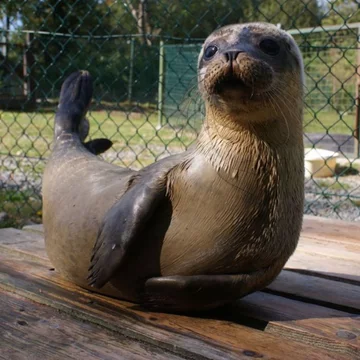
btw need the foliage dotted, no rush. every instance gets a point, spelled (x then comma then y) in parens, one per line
(107, 57)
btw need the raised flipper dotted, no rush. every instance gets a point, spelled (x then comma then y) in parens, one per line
(75, 97)
(125, 221)
(203, 292)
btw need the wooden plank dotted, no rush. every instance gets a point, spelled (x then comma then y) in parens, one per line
(37, 228)
(32, 331)
(306, 286)
(24, 242)
(32, 244)
(323, 291)
(323, 266)
(336, 258)
(333, 249)
(192, 337)
(331, 229)
(312, 324)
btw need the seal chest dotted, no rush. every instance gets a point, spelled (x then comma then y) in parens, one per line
(199, 229)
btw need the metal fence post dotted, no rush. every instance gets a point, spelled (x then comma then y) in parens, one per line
(161, 84)
(357, 92)
(28, 69)
(131, 72)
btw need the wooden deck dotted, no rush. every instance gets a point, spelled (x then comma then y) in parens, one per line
(311, 311)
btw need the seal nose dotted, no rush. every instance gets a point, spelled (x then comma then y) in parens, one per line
(231, 55)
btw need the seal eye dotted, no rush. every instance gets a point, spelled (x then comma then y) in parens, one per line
(210, 51)
(269, 47)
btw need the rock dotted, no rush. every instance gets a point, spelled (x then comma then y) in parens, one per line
(4, 217)
(29, 223)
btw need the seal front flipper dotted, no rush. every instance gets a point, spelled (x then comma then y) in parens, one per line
(124, 222)
(121, 225)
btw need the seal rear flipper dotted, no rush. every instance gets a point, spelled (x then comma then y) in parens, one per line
(98, 146)
(122, 226)
(75, 97)
(203, 292)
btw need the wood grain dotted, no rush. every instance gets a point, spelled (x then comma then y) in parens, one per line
(192, 337)
(331, 229)
(32, 331)
(28, 243)
(323, 266)
(334, 249)
(313, 289)
(312, 324)
(315, 302)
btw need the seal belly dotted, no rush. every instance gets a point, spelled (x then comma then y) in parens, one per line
(211, 222)
(73, 207)
(227, 225)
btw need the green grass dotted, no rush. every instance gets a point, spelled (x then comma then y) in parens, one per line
(332, 122)
(334, 185)
(137, 143)
(30, 135)
(20, 206)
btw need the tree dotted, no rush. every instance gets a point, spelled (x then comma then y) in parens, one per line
(97, 33)
(340, 11)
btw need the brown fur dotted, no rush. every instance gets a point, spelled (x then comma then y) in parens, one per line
(234, 201)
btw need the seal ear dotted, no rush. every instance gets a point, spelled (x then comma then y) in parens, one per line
(122, 226)
(98, 146)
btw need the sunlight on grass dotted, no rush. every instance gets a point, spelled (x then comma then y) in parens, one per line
(135, 135)
(31, 134)
(330, 122)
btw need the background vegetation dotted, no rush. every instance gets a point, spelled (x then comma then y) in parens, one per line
(118, 42)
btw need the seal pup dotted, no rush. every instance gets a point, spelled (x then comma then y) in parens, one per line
(202, 228)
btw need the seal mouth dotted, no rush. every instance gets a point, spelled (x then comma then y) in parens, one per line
(231, 83)
(244, 78)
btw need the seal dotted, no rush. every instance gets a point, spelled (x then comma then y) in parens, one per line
(202, 228)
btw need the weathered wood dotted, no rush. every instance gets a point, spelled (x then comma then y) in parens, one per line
(32, 331)
(314, 254)
(37, 227)
(323, 266)
(312, 324)
(32, 244)
(331, 229)
(193, 337)
(333, 249)
(23, 242)
(318, 290)
(324, 271)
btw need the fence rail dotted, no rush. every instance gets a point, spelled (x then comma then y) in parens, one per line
(143, 56)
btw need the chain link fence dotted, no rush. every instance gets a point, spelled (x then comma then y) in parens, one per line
(142, 55)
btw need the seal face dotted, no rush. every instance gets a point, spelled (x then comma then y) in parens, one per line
(245, 64)
(199, 229)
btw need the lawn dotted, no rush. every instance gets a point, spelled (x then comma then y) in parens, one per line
(328, 121)
(135, 135)
(30, 134)
(137, 143)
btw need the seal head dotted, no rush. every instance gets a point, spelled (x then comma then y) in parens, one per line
(245, 66)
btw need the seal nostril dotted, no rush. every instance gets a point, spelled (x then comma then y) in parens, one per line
(231, 55)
